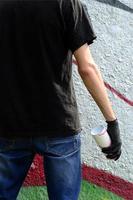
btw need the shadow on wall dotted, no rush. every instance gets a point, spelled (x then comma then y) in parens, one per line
(117, 4)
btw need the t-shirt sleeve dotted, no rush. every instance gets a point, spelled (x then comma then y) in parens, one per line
(79, 30)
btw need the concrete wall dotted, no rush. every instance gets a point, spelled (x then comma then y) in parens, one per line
(113, 52)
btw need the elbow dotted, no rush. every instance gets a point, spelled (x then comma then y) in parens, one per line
(88, 69)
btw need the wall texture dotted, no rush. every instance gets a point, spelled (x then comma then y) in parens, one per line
(113, 52)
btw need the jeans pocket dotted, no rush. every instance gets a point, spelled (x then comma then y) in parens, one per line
(6, 144)
(64, 145)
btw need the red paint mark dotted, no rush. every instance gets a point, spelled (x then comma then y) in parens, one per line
(98, 177)
(35, 176)
(109, 182)
(121, 96)
(75, 62)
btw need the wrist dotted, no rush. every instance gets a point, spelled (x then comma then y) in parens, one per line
(110, 115)
(111, 119)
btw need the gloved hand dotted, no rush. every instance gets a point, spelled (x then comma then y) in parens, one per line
(114, 151)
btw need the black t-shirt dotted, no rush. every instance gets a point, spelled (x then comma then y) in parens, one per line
(37, 40)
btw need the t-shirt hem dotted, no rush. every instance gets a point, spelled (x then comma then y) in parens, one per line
(45, 133)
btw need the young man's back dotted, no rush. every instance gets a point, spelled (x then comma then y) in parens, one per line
(37, 94)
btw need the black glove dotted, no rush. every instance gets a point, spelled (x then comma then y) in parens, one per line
(114, 151)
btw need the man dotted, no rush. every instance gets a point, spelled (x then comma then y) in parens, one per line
(38, 109)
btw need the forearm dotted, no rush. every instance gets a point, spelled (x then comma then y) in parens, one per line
(93, 81)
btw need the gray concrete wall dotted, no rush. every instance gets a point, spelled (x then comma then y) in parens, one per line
(113, 52)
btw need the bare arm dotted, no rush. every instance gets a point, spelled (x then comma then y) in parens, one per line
(93, 81)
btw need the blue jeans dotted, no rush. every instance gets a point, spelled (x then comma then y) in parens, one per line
(62, 165)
